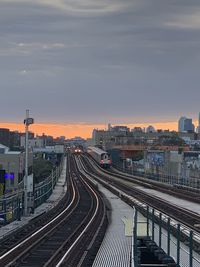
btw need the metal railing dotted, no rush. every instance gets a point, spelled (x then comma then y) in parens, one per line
(187, 183)
(11, 206)
(183, 255)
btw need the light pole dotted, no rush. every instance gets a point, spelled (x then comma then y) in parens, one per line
(27, 122)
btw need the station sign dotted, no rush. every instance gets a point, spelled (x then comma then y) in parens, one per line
(10, 175)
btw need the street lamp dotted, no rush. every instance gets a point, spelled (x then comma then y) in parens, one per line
(27, 122)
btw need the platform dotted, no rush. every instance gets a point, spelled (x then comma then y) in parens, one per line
(115, 250)
(113, 246)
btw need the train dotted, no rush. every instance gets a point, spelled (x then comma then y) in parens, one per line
(76, 150)
(100, 156)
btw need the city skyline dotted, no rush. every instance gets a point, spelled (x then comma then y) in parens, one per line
(99, 62)
(82, 129)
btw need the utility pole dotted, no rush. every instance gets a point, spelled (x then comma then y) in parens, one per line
(27, 122)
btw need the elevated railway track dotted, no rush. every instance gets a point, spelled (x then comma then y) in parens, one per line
(66, 239)
(127, 190)
(174, 190)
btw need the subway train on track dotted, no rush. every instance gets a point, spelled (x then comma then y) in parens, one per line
(100, 156)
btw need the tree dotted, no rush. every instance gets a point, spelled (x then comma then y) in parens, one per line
(41, 169)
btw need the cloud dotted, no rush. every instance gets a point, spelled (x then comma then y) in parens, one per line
(87, 7)
(25, 49)
(23, 72)
(98, 61)
(188, 21)
(40, 45)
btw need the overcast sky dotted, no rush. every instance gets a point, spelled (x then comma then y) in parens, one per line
(99, 61)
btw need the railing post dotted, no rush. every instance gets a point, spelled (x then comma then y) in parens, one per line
(135, 239)
(178, 244)
(5, 211)
(160, 230)
(147, 220)
(153, 213)
(168, 236)
(191, 249)
(52, 180)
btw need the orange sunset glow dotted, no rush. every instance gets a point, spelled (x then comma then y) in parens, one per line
(79, 129)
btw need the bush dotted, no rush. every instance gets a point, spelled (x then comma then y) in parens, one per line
(41, 169)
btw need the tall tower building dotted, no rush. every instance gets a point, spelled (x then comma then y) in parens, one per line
(199, 118)
(185, 125)
(199, 124)
(181, 124)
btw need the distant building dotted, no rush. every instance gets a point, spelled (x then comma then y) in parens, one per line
(137, 136)
(89, 142)
(120, 128)
(35, 142)
(94, 133)
(13, 164)
(5, 136)
(181, 124)
(59, 140)
(150, 129)
(137, 130)
(185, 125)
(76, 141)
(47, 139)
(41, 141)
(62, 138)
(109, 127)
(57, 149)
(198, 127)
(15, 140)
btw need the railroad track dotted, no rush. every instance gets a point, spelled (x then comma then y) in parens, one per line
(180, 192)
(20, 234)
(177, 190)
(65, 240)
(186, 217)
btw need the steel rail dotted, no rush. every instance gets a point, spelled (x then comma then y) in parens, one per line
(18, 234)
(165, 188)
(85, 229)
(22, 244)
(89, 224)
(93, 225)
(137, 193)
